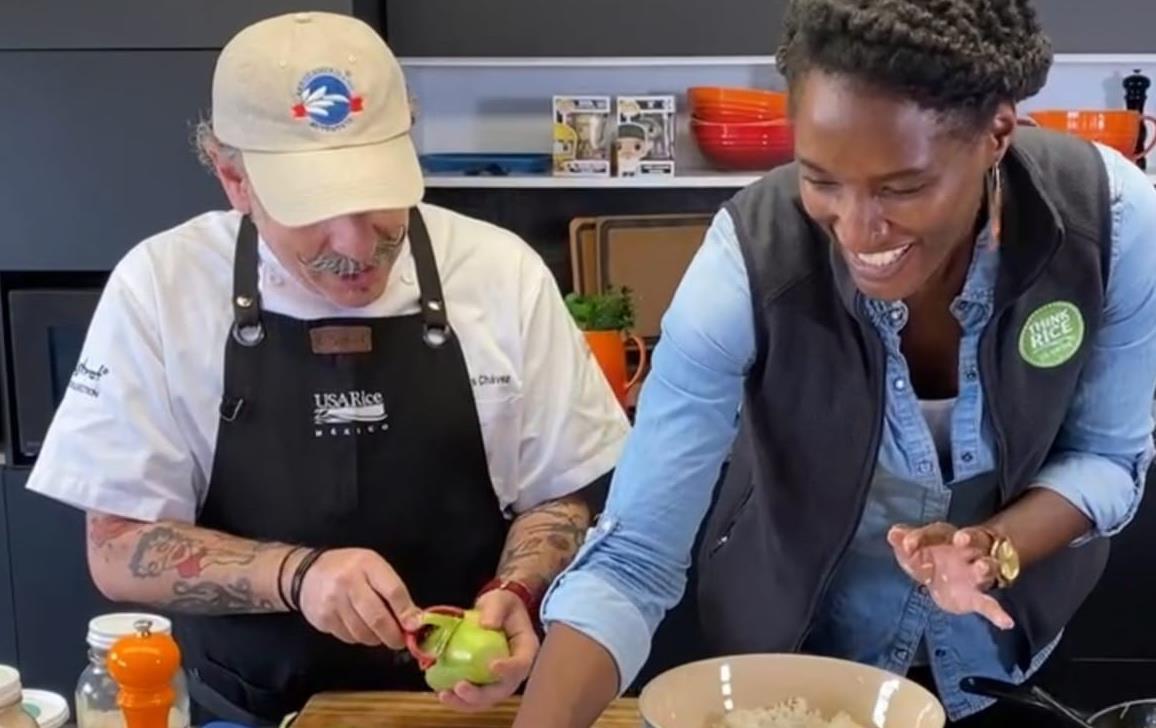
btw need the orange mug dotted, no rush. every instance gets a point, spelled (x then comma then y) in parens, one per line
(1116, 128)
(609, 349)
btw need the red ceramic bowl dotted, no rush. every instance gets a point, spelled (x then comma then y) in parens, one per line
(738, 148)
(769, 132)
(755, 125)
(753, 141)
(740, 126)
(746, 158)
(745, 146)
(746, 155)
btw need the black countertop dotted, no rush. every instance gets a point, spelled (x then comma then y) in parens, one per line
(1086, 686)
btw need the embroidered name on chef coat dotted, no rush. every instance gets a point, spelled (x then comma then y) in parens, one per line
(86, 380)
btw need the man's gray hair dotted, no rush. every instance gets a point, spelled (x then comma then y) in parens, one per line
(209, 148)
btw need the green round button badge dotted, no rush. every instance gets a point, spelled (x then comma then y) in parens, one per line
(1052, 334)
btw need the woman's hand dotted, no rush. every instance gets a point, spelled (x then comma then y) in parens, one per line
(954, 565)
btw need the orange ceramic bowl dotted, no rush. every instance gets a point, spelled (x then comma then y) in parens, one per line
(1116, 128)
(719, 113)
(701, 694)
(716, 103)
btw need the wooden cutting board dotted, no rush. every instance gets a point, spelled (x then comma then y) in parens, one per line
(422, 710)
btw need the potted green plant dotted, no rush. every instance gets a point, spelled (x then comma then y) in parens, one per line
(609, 311)
(606, 320)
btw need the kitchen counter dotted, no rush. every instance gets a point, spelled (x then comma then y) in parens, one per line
(1085, 687)
(422, 710)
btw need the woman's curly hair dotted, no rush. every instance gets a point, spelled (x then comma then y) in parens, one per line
(960, 57)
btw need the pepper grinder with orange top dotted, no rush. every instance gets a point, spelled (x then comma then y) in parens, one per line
(143, 666)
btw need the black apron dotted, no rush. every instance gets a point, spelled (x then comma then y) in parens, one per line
(378, 449)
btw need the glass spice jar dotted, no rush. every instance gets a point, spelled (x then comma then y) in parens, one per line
(97, 691)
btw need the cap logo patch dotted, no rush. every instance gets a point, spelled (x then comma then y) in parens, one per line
(325, 98)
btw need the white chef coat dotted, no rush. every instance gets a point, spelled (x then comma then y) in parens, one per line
(134, 435)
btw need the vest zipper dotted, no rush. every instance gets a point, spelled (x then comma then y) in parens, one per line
(987, 362)
(864, 490)
(722, 539)
(985, 348)
(991, 401)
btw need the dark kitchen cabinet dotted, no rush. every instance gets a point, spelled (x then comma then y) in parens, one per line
(1094, 685)
(1116, 621)
(1122, 26)
(61, 24)
(583, 28)
(99, 155)
(53, 594)
(688, 27)
(7, 603)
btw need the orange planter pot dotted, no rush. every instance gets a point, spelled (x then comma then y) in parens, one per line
(609, 348)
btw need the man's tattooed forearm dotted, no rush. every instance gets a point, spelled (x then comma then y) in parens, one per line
(210, 598)
(541, 546)
(103, 529)
(164, 548)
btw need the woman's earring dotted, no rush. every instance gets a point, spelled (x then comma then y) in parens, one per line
(995, 202)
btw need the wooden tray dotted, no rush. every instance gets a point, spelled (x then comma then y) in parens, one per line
(649, 255)
(422, 710)
(584, 254)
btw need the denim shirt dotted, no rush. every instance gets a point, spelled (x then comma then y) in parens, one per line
(632, 568)
(873, 612)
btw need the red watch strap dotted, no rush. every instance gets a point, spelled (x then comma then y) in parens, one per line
(519, 590)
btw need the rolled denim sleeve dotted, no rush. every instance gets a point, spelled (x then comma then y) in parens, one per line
(632, 568)
(1105, 446)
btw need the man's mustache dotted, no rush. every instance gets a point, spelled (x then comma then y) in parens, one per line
(342, 265)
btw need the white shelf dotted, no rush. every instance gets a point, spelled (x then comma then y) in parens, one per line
(685, 181)
(698, 180)
(582, 62)
(1106, 58)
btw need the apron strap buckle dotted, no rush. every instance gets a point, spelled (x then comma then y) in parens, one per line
(248, 335)
(436, 336)
(231, 407)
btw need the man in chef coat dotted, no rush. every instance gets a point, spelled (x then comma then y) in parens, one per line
(332, 407)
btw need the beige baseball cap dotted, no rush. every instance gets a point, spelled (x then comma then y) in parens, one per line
(317, 105)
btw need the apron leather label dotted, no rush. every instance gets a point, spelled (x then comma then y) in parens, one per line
(341, 339)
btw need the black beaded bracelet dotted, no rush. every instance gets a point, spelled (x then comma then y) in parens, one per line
(299, 576)
(281, 577)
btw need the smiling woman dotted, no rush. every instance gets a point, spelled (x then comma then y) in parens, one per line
(928, 349)
(901, 111)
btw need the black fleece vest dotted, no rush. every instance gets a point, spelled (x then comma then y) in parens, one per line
(813, 404)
